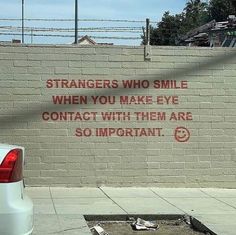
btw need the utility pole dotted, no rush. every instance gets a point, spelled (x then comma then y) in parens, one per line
(22, 22)
(76, 21)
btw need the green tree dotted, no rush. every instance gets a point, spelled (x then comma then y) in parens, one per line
(167, 30)
(219, 10)
(196, 14)
(171, 27)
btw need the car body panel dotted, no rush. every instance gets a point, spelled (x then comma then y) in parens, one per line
(16, 208)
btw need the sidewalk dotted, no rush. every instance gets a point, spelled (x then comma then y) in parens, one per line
(60, 210)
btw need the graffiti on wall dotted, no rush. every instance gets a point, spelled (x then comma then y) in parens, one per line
(133, 103)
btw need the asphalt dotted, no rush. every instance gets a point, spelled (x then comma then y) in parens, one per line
(61, 210)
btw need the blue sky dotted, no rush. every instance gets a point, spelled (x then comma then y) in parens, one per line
(96, 9)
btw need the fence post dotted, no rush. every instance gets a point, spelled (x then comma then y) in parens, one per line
(76, 21)
(147, 47)
(22, 21)
(147, 32)
(31, 35)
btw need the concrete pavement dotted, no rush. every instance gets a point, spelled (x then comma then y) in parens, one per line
(60, 210)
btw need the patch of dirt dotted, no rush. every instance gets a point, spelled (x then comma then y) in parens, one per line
(166, 227)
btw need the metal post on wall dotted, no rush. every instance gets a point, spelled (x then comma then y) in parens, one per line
(31, 35)
(22, 21)
(147, 31)
(76, 21)
(147, 48)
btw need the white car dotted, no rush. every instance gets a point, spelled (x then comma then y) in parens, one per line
(16, 209)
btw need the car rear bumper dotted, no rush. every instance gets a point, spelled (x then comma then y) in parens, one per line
(16, 210)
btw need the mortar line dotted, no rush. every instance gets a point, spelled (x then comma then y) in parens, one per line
(52, 200)
(218, 199)
(55, 210)
(113, 201)
(167, 201)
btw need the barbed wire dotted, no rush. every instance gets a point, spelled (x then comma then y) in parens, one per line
(120, 32)
(71, 36)
(87, 29)
(89, 20)
(72, 20)
(9, 26)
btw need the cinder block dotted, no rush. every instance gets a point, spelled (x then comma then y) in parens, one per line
(67, 70)
(39, 70)
(133, 51)
(172, 165)
(54, 63)
(53, 173)
(108, 50)
(153, 165)
(171, 179)
(95, 71)
(81, 50)
(26, 63)
(12, 56)
(96, 57)
(201, 165)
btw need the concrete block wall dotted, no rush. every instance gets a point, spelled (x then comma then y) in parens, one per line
(175, 128)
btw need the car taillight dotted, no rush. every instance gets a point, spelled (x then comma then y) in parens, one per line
(11, 167)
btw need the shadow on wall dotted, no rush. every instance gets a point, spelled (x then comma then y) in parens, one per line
(33, 110)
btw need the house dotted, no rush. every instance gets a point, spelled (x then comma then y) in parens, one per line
(86, 40)
(212, 34)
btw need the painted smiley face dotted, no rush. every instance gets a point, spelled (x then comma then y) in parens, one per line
(182, 134)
